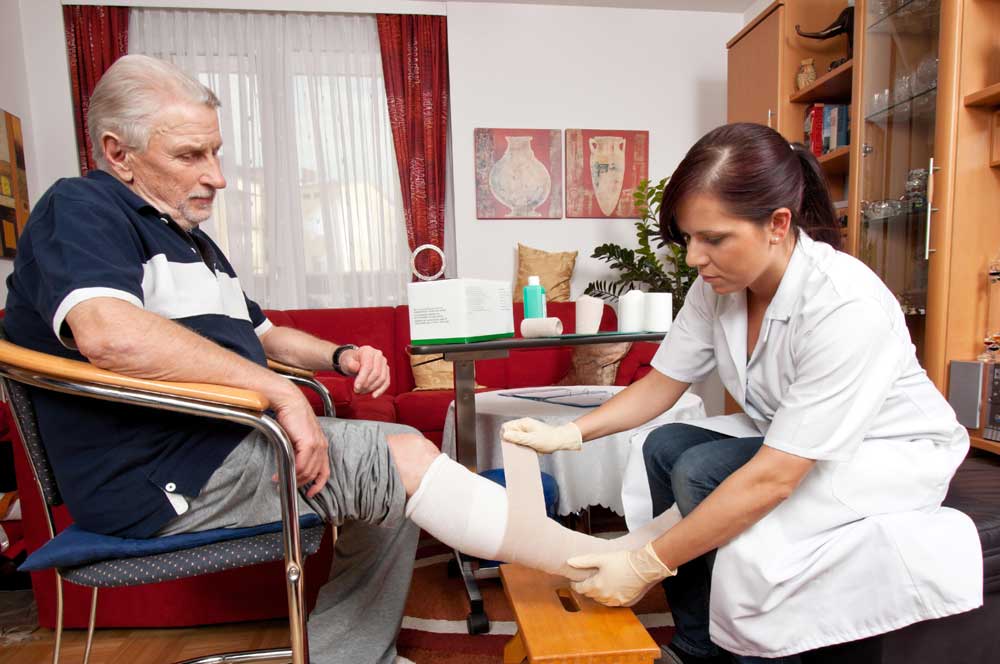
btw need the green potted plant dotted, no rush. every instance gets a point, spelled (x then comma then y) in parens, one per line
(642, 266)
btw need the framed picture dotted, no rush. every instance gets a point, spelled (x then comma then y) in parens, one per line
(603, 168)
(518, 174)
(14, 206)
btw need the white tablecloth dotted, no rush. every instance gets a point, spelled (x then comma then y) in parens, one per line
(592, 476)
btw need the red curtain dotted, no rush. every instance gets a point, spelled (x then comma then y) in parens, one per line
(95, 37)
(415, 68)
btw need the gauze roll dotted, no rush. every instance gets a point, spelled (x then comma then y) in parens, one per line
(631, 311)
(541, 327)
(659, 312)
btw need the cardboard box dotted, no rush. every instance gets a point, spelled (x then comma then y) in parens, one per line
(455, 311)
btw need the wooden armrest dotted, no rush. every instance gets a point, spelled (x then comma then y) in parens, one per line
(280, 367)
(84, 372)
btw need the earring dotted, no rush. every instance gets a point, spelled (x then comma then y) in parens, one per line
(774, 240)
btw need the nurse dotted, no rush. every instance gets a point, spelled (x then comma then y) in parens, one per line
(815, 515)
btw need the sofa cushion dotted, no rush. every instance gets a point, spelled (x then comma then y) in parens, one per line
(636, 362)
(369, 326)
(364, 407)
(975, 490)
(425, 410)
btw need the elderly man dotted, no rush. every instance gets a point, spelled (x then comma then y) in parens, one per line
(114, 269)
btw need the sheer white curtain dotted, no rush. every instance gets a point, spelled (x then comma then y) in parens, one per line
(311, 216)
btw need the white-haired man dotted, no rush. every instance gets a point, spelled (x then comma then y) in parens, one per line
(114, 268)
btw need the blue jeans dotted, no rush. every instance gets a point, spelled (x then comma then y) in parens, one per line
(684, 464)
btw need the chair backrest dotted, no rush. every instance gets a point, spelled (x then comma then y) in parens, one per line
(19, 401)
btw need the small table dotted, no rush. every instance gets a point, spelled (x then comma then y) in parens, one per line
(592, 476)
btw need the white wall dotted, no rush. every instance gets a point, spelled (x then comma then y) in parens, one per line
(34, 85)
(755, 9)
(557, 67)
(13, 93)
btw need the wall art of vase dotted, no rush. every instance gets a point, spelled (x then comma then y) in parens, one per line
(603, 169)
(607, 170)
(518, 173)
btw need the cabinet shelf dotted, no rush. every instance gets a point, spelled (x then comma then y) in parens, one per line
(988, 96)
(983, 444)
(837, 161)
(922, 106)
(832, 87)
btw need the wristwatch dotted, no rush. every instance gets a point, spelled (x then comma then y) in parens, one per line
(336, 358)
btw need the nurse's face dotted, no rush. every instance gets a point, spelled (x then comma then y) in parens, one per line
(730, 253)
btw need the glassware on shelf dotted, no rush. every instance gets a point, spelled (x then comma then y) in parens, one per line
(926, 74)
(991, 340)
(902, 88)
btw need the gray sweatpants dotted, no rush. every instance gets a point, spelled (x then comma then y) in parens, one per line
(360, 608)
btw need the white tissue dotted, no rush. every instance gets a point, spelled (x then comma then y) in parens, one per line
(631, 311)
(589, 311)
(541, 327)
(659, 312)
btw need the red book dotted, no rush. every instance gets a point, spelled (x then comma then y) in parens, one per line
(813, 126)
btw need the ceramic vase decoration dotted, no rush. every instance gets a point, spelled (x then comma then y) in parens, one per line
(519, 180)
(806, 75)
(607, 170)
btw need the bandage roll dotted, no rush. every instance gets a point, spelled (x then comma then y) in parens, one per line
(631, 310)
(541, 327)
(659, 312)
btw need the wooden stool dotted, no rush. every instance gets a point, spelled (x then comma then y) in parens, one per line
(556, 625)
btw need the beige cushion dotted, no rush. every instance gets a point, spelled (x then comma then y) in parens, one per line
(431, 372)
(596, 364)
(553, 268)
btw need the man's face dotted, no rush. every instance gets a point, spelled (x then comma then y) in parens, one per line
(180, 170)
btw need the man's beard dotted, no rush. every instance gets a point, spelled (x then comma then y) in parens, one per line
(194, 215)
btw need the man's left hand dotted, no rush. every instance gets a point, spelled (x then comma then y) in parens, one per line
(621, 577)
(369, 368)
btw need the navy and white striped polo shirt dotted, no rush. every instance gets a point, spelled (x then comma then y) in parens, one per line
(93, 237)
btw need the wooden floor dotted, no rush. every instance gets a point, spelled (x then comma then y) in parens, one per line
(152, 646)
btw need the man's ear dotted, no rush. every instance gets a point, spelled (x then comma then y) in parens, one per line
(117, 153)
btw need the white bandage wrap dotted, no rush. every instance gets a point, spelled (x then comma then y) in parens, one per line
(480, 518)
(460, 508)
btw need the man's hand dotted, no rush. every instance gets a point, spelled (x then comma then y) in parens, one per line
(312, 461)
(369, 368)
(621, 577)
(542, 437)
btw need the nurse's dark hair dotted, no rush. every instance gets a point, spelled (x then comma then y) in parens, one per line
(752, 171)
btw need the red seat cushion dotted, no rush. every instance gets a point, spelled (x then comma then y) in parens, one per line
(636, 362)
(364, 407)
(424, 410)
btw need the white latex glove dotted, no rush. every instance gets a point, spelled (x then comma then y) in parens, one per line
(621, 577)
(542, 437)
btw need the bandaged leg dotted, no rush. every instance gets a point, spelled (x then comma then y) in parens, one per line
(477, 516)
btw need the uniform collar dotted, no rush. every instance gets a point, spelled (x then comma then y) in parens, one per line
(132, 199)
(792, 281)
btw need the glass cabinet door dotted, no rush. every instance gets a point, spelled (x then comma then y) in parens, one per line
(899, 96)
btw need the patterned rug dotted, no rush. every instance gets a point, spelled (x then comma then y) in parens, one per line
(434, 630)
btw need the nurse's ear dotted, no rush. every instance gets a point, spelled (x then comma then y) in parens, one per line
(779, 225)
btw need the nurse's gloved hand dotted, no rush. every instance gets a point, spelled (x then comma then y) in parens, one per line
(542, 437)
(621, 577)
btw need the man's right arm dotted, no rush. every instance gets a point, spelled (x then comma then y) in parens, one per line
(120, 337)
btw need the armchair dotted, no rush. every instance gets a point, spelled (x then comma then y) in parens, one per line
(226, 549)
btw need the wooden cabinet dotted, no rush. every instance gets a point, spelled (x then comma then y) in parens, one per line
(763, 60)
(752, 88)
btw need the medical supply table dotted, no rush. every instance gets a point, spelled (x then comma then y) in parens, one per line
(463, 357)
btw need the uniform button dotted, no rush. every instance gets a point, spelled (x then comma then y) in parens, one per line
(170, 486)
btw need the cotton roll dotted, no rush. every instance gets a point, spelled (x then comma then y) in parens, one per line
(659, 312)
(541, 327)
(631, 307)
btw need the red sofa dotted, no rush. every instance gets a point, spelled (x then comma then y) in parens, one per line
(258, 593)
